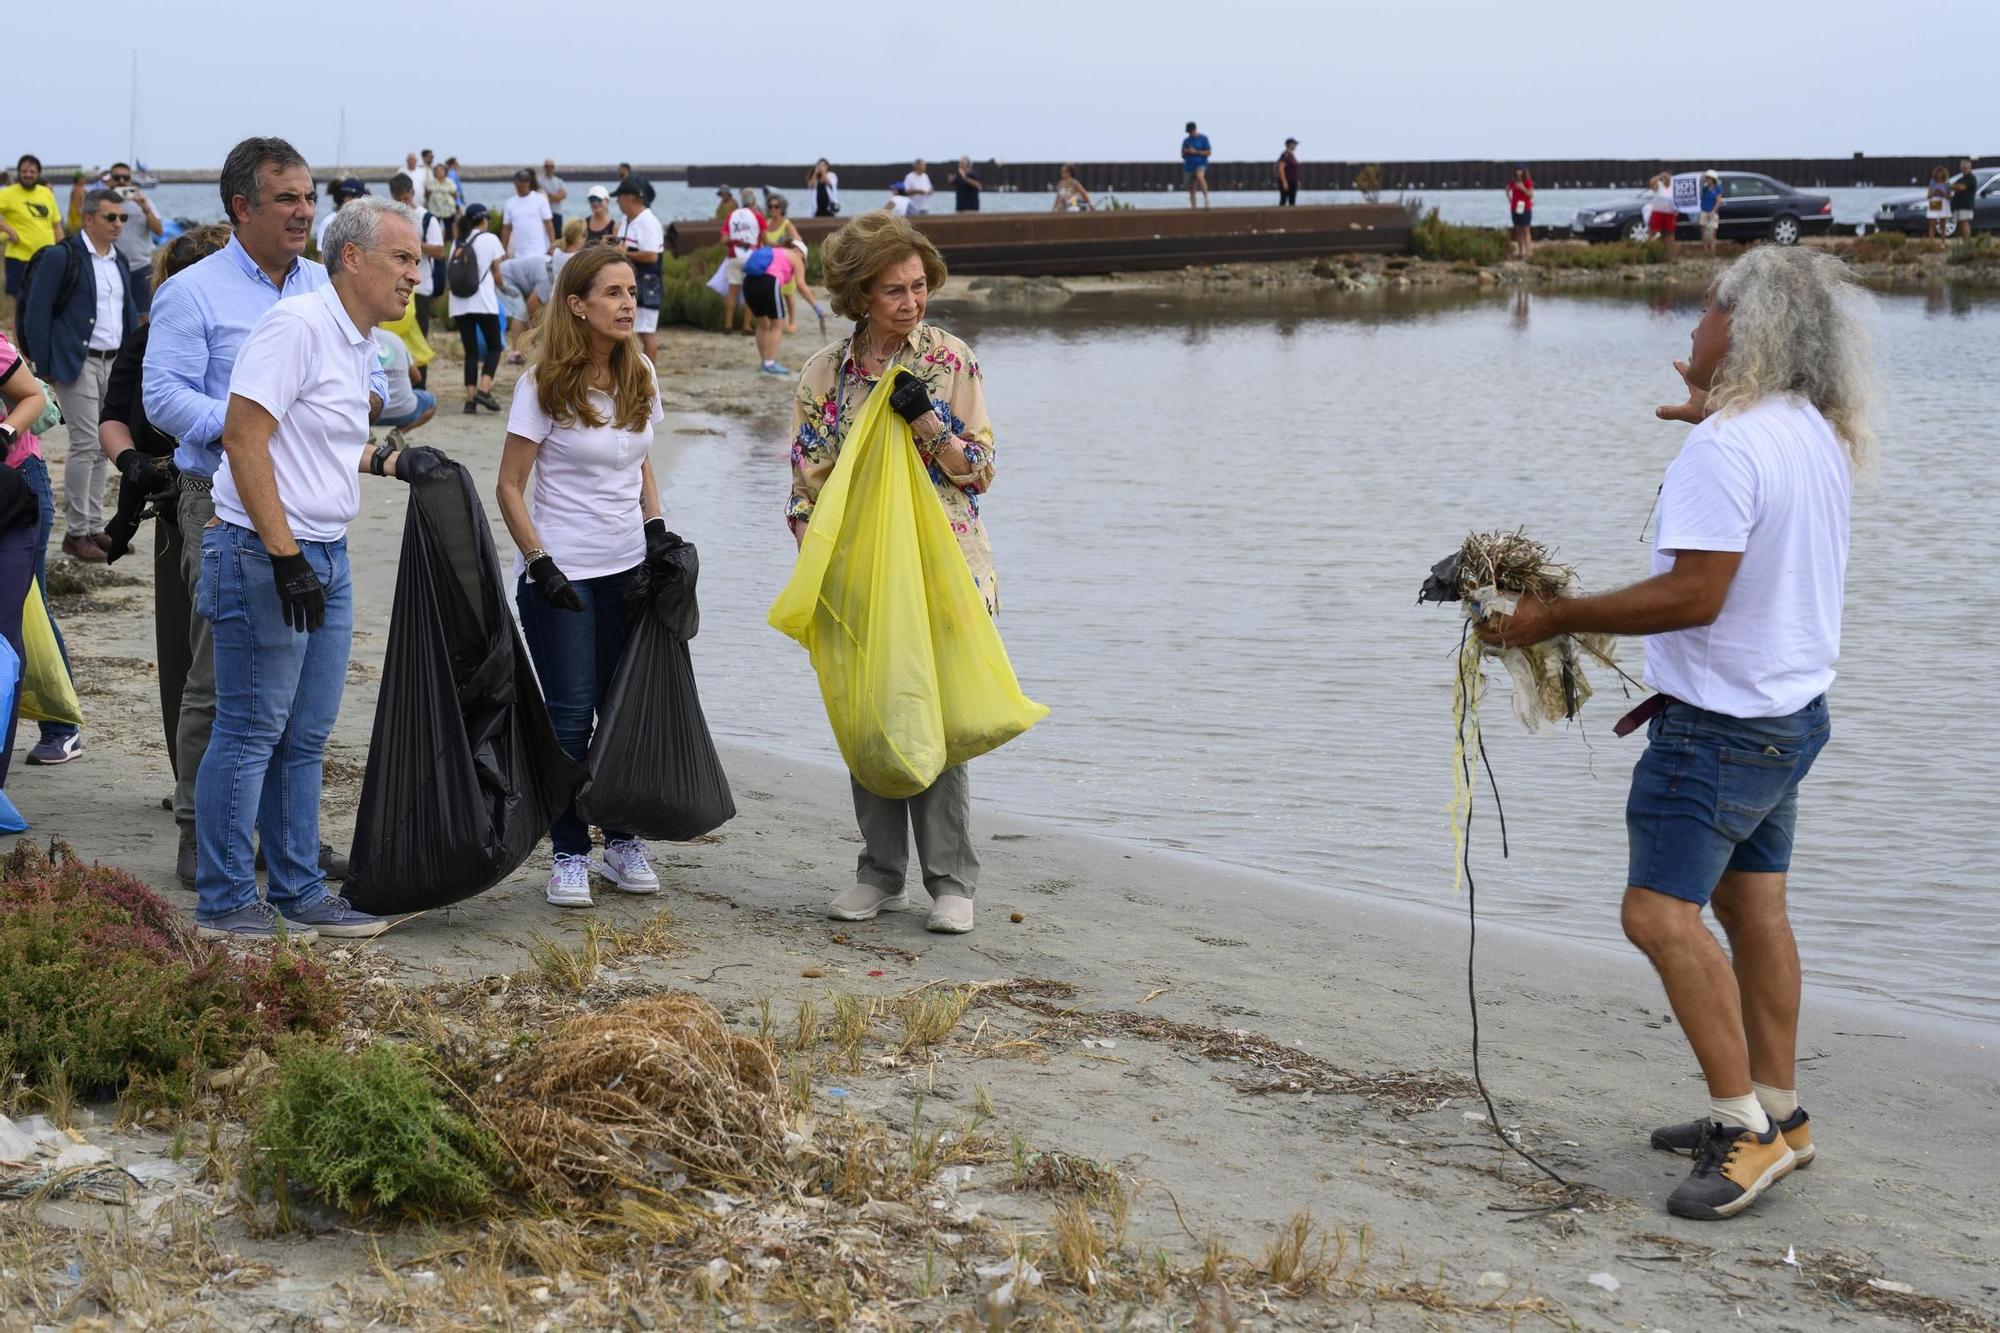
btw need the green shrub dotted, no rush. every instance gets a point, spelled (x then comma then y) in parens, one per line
(369, 1132)
(689, 301)
(106, 987)
(1613, 254)
(1878, 246)
(1971, 250)
(1434, 238)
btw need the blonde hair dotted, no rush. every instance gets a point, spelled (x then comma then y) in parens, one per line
(1799, 324)
(853, 257)
(562, 353)
(573, 232)
(186, 248)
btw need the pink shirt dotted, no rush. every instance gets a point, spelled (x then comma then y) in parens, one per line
(781, 264)
(27, 445)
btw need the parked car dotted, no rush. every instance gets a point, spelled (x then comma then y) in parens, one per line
(1905, 212)
(1752, 208)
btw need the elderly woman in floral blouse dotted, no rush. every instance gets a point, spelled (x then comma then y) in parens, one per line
(880, 272)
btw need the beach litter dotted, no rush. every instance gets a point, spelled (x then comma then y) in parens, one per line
(1604, 1280)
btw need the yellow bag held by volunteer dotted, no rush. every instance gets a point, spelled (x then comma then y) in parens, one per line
(910, 664)
(47, 695)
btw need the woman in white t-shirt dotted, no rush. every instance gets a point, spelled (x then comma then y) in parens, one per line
(582, 422)
(478, 315)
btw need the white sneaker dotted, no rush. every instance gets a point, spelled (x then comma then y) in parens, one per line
(863, 901)
(626, 866)
(569, 882)
(950, 915)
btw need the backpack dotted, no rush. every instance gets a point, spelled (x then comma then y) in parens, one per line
(39, 265)
(465, 272)
(757, 262)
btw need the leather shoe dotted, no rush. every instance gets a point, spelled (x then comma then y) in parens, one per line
(83, 548)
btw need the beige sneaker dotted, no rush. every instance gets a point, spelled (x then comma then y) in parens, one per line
(863, 901)
(950, 915)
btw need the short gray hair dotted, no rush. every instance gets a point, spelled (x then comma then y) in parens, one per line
(358, 223)
(98, 198)
(1799, 324)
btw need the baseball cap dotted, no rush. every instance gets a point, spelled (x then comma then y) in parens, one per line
(476, 212)
(725, 190)
(1290, 143)
(349, 187)
(598, 192)
(629, 186)
(524, 174)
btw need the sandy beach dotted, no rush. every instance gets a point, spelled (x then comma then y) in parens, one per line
(1233, 1050)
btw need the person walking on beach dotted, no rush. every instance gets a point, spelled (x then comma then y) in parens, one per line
(143, 227)
(1521, 211)
(1195, 153)
(783, 233)
(824, 182)
(555, 191)
(742, 232)
(966, 187)
(475, 306)
(1937, 202)
(33, 220)
(601, 227)
(527, 230)
(78, 312)
(917, 186)
(440, 197)
(1071, 197)
(1710, 215)
(201, 318)
(278, 593)
(643, 241)
(1964, 200)
(1742, 621)
(431, 235)
(1660, 212)
(1288, 174)
(582, 422)
(881, 271)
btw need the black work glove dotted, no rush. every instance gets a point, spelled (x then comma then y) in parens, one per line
(420, 463)
(659, 542)
(137, 470)
(299, 592)
(552, 585)
(910, 398)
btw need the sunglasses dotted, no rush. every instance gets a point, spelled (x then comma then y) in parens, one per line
(118, 218)
(121, 180)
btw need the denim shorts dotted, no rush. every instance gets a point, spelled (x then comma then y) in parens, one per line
(1714, 793)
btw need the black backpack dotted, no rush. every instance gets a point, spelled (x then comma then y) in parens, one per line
(40, 265)
(465, 272)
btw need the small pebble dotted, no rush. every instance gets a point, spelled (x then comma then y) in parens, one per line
(1017, 917)
(812, 972)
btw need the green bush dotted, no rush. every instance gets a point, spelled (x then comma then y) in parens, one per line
(1877, 246)
(1614, 254)
(370, 1132)
(106, 987)
(689, 301)
(1971, 250)
(1434, 238)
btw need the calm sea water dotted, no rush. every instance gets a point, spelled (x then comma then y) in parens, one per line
(1211, 524)
(1485, 208)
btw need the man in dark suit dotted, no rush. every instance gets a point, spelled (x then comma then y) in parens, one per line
(78, 311)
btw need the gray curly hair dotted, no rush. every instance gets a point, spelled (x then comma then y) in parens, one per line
(1799, 323)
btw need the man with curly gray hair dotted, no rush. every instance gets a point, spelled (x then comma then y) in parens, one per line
(1742, 625)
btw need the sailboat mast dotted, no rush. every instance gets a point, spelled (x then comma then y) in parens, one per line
(132, 134)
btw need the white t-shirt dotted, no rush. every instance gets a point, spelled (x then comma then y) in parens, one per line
(319, 234)
(526, 213)
(485, 248)
(393, 355)
(586, 501)
(427, 267)
(307, 365)
(899, 205)
(917, 185)
(1773, 482)
(645, 233)
(743, 232)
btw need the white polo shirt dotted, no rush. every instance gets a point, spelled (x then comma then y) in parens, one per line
(526, 214)
(586, 503)
(307, 365)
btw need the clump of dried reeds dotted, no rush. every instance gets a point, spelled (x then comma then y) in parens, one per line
(1494, 570)
(1511, 562)
(611, 1098)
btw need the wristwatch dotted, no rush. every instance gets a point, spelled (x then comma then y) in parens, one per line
(8, 435)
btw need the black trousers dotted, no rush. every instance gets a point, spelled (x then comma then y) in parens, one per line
(1287, 194)
(471, 328)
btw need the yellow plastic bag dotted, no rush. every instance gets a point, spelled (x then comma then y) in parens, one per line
(47, 695)
(910, 665)
(405, 326)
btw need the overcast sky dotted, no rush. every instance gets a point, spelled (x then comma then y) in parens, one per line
(782, 81)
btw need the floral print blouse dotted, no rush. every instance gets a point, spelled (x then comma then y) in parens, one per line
(820, 422)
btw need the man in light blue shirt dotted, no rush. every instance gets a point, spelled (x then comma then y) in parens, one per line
(200, 318)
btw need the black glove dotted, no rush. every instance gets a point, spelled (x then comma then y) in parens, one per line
(659, 542)
(299, 591)
(910, 398)
(551, 584)
(420, 463)
(137, 470)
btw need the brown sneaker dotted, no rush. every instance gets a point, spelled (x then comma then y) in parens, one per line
(1685, 1138)
(1732, 1169)
(83, 548)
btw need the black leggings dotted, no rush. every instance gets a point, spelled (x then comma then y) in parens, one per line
(470, 327)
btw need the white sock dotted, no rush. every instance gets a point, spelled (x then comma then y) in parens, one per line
(1742, 1111)
(1778, 1103)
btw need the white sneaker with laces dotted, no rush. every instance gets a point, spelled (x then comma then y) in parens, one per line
(863, 901)
(569, 881)
(626, 866)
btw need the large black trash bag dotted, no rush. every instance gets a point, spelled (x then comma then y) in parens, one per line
(464, 771)
(653, 766)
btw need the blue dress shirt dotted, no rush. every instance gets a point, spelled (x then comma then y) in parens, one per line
(200, 317)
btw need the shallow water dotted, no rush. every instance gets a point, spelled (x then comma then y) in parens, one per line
(1210, 527)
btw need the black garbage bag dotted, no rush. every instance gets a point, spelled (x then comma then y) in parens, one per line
(653, 767)
(464, 771)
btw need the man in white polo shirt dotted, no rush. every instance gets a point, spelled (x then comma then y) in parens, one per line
(274, 579)
(1742, 624)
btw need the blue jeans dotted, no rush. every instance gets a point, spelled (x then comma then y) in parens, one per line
(575, 654)
(277, 692)
(1714, 793)
(425, 402)
(36, 473)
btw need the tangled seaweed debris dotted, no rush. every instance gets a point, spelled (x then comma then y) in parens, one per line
(635, 1092)
(1845, 1278)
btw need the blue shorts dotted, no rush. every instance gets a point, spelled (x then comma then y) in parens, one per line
(425, 402)
(1714, 793)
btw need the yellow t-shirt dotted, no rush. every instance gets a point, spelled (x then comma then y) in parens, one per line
(32, 213)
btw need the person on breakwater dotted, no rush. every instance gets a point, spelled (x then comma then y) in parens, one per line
(582, 422)
(1288, 175)
(1071, 197)
(477, 313)
(917, 186)
(1195, 152)
(276, 585)
(1521, 210)
(966, 187)
(1742, 619)
(201, 318)
(880, 272)
(824, 182)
